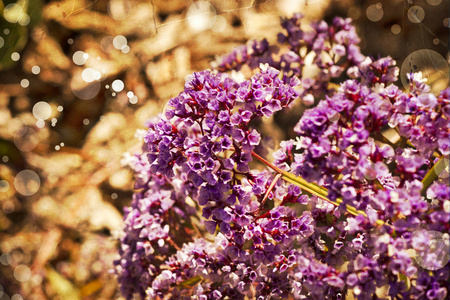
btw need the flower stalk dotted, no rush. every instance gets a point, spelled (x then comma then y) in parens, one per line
(312, 188)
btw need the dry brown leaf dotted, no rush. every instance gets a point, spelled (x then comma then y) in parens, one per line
(48, 249)
(84, 207)
(173, 33)
(76, 15)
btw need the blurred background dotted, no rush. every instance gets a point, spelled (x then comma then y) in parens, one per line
(79, 77)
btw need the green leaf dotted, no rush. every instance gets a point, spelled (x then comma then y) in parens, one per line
(405, 279)
(15, 41)
(434, 172)
(17, 17)
(61, 285)
(191, 282)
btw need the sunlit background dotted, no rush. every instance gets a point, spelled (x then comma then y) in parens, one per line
(79, 77)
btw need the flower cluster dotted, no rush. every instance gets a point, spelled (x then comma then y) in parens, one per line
(318, 56)
(357, 204)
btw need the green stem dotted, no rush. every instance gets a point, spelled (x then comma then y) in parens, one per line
(311, 188)
(434, 172)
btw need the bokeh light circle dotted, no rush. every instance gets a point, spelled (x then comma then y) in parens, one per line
(24, 20)
(5, 259)
(22, 273)
(117, 85)
(15, 56)
(2, 42)
(40, 123)
(5, 297)
(42, 110)
(24, 83)
(107, 44)
(396, 29)
(80, 58)
(446, 22)
(4, 186)
(434, 252)
(219, 24)
(426, 61)
(26, 139)
(35, 70)
(125, 49)
(119, 42)
(82, 89)
(133, 100)
(434, 2)
(375, 12)
(201, 15)
(416, 14)
(90, 75)
(27, 182)
(8, 207)
(15, 13)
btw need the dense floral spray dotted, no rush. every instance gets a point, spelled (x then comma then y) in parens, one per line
(344, 208)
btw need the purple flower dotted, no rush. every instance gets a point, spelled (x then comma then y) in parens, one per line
(207, 221)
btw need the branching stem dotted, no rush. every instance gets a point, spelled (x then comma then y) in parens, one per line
(312, 188)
